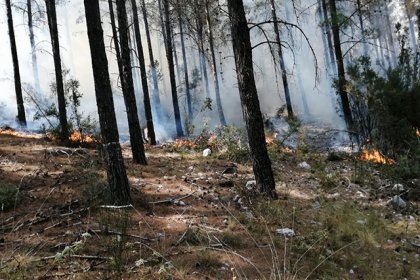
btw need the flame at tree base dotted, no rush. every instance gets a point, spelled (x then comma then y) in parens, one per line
(375, 156)
(77, 137)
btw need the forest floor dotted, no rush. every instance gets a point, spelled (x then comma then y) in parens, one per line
(193, 217)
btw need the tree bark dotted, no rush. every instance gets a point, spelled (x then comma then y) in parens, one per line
(52, 24)
(143, 74)
(184, 61)
(249, 98)
(136, 139)
(21, 117)
(116, 173)
(169, 56)
(155, 96)
(215, 76)
(340, 66)
(281, 60)
(115, 38)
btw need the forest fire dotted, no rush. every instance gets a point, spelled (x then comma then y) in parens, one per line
(77, 137)
(12, 132)
(375, 156)
(184, 143)
(269, 140)
(418, 132)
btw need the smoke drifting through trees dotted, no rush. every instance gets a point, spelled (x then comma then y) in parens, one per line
(377, 37)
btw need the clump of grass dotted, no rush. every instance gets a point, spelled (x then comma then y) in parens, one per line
(194, 237)
(19, 267)
(9, 196)
(232, 240)
(208, 260)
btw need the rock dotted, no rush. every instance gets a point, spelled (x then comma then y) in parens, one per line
(304, 165)
(230, 170)
(398, 188)
(250, 185)
(226, 183)
(206, 152)
(398, 202)
(285, 232)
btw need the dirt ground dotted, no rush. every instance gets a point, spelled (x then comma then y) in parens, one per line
(192, 217)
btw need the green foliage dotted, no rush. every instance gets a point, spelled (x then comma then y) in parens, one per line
(386, 108)
(9, 196)
(232, 143)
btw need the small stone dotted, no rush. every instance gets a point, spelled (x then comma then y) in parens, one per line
(398, 188)
(304, 165)
(251, 185)
(351, 271)
(285, 232)
(206, 152)
(398, 202)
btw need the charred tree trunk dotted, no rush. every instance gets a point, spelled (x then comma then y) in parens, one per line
(115, 38)
(281, 60)
(169, 56)
(116, 173)
(21, 117)
(327, 31)
(136, 139)
(340, 66)
(33, 50)
(249, 98)
(155, 96)
(52, 24)
(184, 61)
(215, 76)
(143, 73)
(200, 37)
(362, 28)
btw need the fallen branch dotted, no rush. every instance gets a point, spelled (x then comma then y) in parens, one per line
(171, 200)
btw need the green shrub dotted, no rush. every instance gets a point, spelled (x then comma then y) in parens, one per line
(9, 196)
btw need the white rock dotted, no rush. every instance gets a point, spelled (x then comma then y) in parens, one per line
(206, 152)
(285, 232)
(304, 165)
(398, 188)
(250, 185)
(398, 202)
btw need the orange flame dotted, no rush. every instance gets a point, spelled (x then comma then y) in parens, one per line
(418, 132)
(269, 140)
(375, 156)
(76, 136)
(184, 143)
(22, 134)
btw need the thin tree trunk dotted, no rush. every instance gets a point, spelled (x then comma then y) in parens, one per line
(21, 117)
(136, 139)
(412, 29)
(115, 38)
(116, 173)
(362, 28)
(170, 58)
(340, 66)
(249, 98)
(184, 61)
(281, 60)
(33, 50)
(155, 96)
(143, 74)
(215, 76)
(328, 36)
(390, 38)
(52, 23)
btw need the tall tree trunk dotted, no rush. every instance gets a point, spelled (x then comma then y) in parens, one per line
(33, 50)
(332, 66)
(200, 37)
(340, 66)
(52, 24)
(178, 69)
(184, 61)
(411, 27)
(170, 58)
(21, 117)
(116, 173)
(215, 76)
(281, 60)
(390, 38)
(249, 98)
(155, 96)
(136, 139)
(362, 28)
(116, 40)
(143, 73)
